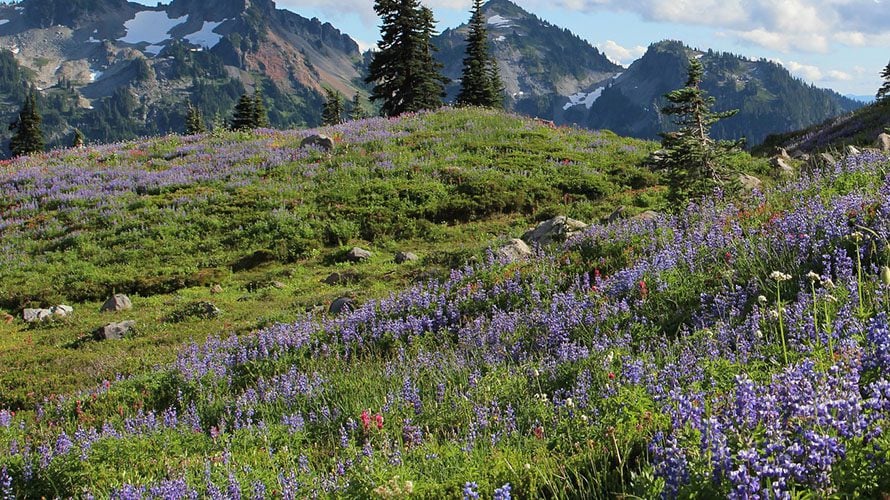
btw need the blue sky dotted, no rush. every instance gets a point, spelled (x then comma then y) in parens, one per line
(840, 44)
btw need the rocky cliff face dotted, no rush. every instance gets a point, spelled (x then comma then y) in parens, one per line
(86, 52)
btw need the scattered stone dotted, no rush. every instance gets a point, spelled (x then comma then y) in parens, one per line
(614, 216)
(201, 310)
(783, 153)
(342, 305)
(277, 285)
(828, 159)
(515, 250)
(402, 257)
(749, 182)
(114, 331)
(358, 255)
(782, 165)
(322, 142)
(336, 278)
(119, 302)
(216, 289)
(62, 310)
(648, 215)
(852, 150)
(36, 315)
(556, 229)
(804, 157)
(883, 143)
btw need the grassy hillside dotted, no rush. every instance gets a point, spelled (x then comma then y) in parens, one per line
(165, 219)
(737, 348)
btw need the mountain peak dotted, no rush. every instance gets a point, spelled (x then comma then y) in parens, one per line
(215, 10)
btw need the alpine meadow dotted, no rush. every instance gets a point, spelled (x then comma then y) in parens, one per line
(241, 257)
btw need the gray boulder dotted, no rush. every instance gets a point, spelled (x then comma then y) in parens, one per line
(614, 216)
(322, 142)
(342, 305)
(749, 182)
(114, 331)
(36, 315)
(216, 289)
(515, 250)
(852, 150)
(402, 257)
(119, 302)
(62, 310)
(883, 143)
(358, 255)
(556, 229)
(782, 165)
(828, 159)
(340, 278)
(648, 216)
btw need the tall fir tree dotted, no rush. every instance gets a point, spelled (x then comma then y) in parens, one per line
(480, 80)
(332, 114)
(194, 121)
(28, 138)
(405, 75)
(884, 91)
(694, 163)
(77, 141)
(260, 115)
(244, 117)
(357, 110)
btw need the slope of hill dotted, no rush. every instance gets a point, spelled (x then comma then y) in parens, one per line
(770, 100)
(859, 128)
(736, 348)
(118, 70)
(163, 219)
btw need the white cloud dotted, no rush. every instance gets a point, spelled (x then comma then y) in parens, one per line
(619, 54)
(786, 25)
(814, 74)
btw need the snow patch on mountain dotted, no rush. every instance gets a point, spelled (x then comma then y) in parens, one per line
(585, 98)
(3, 21)
(150, 26)
(500, 21)
(205, 37)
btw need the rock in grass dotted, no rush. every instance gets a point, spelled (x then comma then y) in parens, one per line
(515, 250)
(402, 257)
(556, 229)
(114, 331)
(340, 278)
(36, 315)
(62, 311)
(342, 305)
(358, 255)
(852, 150)
(883, 143)
(614, 216)
(216, 289)
(648, 215)
(319, 141)
(200, 310)
(782, 165)
(749, 182)
(119, 302)
(828, 159)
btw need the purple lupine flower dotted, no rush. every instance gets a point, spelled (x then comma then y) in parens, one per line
(471, 491)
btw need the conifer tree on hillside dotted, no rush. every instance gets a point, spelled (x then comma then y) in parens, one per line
(357, 111)
(78, 140)
(693, 162)
(480, 81)
(405, 75)
(194, 121)
(884, 91)
(28, 138)
(332, 114)
(260, 115)
(244, 117)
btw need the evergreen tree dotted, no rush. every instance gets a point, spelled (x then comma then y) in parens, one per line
(260, 115)
(692, 160)
(480, 81)
(332, 114)
(357, 111)
(244, 117)
(405, 75)
(884, 91)
(78, 140)
(28, 138)
(194, 121)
